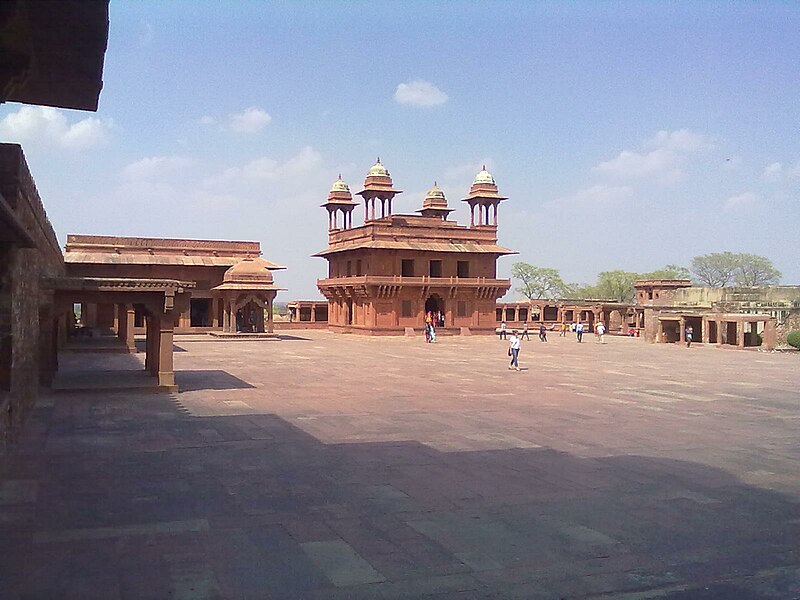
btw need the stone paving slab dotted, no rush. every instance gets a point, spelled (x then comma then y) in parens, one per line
(346, 467)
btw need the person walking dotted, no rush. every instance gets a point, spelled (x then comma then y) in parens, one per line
(513, 351)
(542, 333)
(503, 330)
(689, 334)
(563, 330)
(600, 330)
(579, 332)
(525, 333)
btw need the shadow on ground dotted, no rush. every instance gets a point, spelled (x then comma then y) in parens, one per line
(212, 379)
(130, 497)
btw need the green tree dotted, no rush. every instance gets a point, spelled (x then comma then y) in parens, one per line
(715, 270)
(616, 285)
(756, 270)
(721, 269)
(538, 282)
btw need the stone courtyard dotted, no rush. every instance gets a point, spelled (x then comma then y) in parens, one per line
(324, 466)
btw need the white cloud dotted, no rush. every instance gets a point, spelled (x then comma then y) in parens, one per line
(663, 157)
(741, 201)
(251, 120)
(207, 120)
(419, 93)
(291, 173)
(777, 172)
(50, 125)
(155, 167)
(596, 196)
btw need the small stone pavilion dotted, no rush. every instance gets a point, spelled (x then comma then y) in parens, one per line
(385, 275)
(247, 293)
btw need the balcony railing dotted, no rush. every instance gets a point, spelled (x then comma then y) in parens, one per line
(423, 280)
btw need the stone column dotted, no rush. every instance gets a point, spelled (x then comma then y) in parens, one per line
(121, 321)
(682, 330)
(127, 318)
(313, 313)
(740, 334)
(166, 373)
(770, 334)
(215, 312)
(270, 322)
(153, 342)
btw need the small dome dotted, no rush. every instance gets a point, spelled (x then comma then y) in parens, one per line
(249, 270)
(340, 186)
(484, 177)
(378, 170)
(435, 192)
(435, 196)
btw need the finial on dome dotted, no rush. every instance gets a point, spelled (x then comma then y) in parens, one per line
(379, 160)
(435, 183)
(484, 166)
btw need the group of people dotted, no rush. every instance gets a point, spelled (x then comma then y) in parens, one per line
(577, 328)
(525, 333)
(432, 321)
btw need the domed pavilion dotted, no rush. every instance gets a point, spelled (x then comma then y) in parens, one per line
(387, 275)
(248, 291)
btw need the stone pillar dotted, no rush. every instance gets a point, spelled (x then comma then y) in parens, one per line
(151, 344)
(682, 330)
(770, 334)
(314, 313)
(215, 312)
(740, 334)
(270, 322)
(121, 322)
(705, 334)
(127, 318)
(166, 373)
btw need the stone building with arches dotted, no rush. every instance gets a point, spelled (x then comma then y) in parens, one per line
(385, 275)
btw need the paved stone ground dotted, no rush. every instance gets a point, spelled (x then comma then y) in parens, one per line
(324, 466)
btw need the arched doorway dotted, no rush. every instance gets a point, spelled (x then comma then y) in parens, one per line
(435, 305)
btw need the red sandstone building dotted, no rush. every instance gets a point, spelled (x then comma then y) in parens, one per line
(206, 263)
(384, 275)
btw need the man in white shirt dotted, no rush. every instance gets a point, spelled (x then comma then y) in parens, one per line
(601, 332)
(579, 331)
(513, 348)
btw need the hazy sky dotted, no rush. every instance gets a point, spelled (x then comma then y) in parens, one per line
(626, 135)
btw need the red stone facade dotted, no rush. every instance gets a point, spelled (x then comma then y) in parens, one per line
(384, 275)
(203, 262)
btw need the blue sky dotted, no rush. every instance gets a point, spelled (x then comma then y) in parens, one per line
(626, 135)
